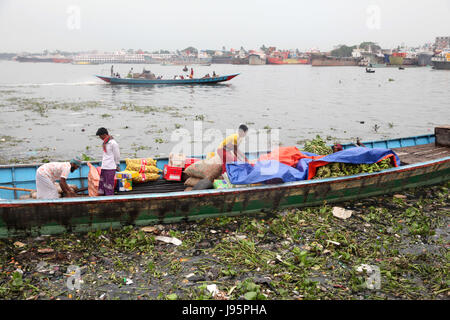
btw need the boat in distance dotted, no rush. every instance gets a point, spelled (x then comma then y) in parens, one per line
(133, 81)
(423, 162)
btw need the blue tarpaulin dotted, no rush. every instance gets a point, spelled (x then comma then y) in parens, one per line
(267, 171)
(357, 155)
(360, 155)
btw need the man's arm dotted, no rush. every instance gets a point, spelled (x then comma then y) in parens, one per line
(68, 192)
(240, 156)
(116, 152)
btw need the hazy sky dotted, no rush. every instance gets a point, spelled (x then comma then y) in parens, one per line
(74, 25)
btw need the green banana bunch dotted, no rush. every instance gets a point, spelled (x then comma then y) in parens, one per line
(336, 169)
(317, 146)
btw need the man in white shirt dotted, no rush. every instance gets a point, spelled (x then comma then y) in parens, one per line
(110, 163)
(49, 173)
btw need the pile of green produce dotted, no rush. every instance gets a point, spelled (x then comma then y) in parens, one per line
(317, 146)
(336, 169)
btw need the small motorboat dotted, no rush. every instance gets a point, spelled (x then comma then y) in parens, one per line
(368, 70)
(401, 68)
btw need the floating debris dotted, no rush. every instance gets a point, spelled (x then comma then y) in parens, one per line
(19, 244)
(46, 250)
(172, 240)
(342, 213)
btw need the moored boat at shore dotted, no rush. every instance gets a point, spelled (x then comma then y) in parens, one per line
(441, 61)
(423, 162)
(281, 60)
(329, 61)
(33, 59)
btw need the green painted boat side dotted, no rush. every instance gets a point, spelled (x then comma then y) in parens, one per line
(21, 218)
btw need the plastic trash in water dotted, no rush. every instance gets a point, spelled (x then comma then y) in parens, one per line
(171, 240)
(342, 213)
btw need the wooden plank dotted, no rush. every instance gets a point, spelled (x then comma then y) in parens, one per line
(442, 136)
(420, 153)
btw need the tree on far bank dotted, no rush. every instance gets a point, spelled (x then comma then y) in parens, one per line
(190, 50)
(370, 46)
(343, 51)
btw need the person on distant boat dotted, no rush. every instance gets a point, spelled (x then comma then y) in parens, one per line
(48, 173)
(185, 68)
(130, 73)
(192, 73)
(112, 71)
(207, 76)
(181, 77)
(110, 162)
(228, 149)
(117, 75)
(175, 77)
(214, 74)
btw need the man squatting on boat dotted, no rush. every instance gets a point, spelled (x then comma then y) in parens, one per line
(48, 173)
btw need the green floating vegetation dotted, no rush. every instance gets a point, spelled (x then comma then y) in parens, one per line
(42, 106)
(146, 109)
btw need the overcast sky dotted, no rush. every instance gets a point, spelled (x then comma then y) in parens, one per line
(75, 25)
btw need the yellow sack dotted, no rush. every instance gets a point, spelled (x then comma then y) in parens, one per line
(142, 168)
(144, 177)
(143, 161)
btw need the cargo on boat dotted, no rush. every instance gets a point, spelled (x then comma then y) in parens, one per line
(425, 160)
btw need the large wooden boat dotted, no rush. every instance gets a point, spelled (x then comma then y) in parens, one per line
(422, 163)
(139, 81)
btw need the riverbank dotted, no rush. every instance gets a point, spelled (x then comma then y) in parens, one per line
(288, 254)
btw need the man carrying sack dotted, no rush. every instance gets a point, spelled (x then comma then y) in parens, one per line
(228, 150)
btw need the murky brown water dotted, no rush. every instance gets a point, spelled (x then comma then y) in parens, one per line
(52, 111)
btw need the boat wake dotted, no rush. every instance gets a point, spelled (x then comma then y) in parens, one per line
(85, 83)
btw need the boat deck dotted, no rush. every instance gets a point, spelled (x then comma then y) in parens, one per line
(421, 153)
(158, 186)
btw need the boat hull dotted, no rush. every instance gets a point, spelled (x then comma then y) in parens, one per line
(441, 65)
(131, 81)
(334, 62)
(396, 60)
(33, 59)
(277, 60)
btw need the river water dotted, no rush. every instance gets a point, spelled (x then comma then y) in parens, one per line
(52, 111)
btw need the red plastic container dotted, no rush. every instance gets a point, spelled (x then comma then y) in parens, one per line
(172, 173)
(190, 161)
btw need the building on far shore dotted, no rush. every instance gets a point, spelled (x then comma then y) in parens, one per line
(442, 43)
